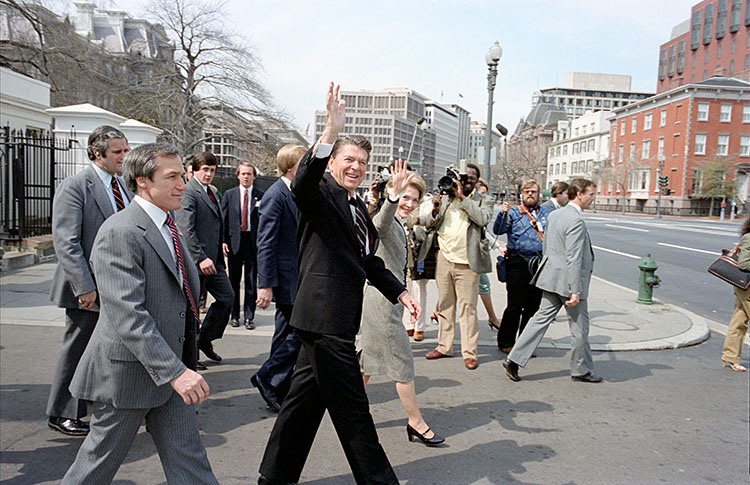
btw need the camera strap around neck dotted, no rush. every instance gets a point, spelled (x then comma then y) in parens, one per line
(522, 209)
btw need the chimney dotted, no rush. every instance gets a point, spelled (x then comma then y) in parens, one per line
(84, 20)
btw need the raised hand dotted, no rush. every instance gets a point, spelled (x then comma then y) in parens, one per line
(401, 176)
(335, 115)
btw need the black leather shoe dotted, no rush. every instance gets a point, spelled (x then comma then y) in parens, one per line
(264, 480)
(588, 377)
(70, 427)
(200, 366)
(235, 322)
(412, 433)
(208, 350)
(265, 393)
(511, 369)
(249, 324)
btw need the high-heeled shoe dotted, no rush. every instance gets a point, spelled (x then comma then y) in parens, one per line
(734, 367)
(493, 326)
(412, 433)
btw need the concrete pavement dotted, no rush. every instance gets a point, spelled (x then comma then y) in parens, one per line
(652, 420)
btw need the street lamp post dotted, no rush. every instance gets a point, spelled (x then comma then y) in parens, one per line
(492, 58)
(411, 145)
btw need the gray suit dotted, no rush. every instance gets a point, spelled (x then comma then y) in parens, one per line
(80, 207)
(550, 204)
(145, 338)
(565, 269)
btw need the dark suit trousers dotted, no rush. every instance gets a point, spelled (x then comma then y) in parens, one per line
(276, 372)
(327, 378)
(79, 325)
(247, 257)
(523, 301)
(217, 316)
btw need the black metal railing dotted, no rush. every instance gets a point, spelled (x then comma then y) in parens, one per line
(32, 164)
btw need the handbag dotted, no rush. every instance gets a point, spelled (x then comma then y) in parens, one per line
(725, 267)
(502, 270)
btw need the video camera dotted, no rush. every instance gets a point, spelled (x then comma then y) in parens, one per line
(446, 184)
(381, 180)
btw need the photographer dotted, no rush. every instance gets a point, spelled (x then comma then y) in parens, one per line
(524, 225)
(459, 216)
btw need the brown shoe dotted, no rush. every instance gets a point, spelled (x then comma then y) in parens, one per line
(471, 364)
(410, 332)
(435, 354)
(418, 336)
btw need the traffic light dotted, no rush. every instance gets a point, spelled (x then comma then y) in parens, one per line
(666, 191)
(663, 180)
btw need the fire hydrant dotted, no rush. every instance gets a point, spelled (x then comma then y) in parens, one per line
(647, 281)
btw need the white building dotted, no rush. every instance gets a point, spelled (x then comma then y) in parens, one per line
(476, 143)
(578, 147)
(445, 123)
(23, 102)
(464, 124)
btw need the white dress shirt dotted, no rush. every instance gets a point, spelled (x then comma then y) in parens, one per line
(160, 219)
(107, 181)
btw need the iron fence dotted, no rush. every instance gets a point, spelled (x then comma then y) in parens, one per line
(32, 164)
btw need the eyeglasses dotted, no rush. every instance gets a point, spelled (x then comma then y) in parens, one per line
(530, 191)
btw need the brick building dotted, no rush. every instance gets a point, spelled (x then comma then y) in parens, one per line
(714, 40)
(686, 127)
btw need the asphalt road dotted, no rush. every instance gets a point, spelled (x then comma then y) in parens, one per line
(682, 249)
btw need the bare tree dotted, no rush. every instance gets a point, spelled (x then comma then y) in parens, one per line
(619, 175)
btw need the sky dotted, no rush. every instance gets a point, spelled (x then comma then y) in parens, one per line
(437, 47)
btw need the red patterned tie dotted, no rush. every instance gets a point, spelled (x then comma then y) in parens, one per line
(118, 195)
(181, 265)
(243, 223)
(211, 195)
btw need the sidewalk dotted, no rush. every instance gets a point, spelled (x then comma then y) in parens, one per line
(618, 323)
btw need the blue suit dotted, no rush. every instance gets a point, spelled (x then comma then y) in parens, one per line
(277, 269)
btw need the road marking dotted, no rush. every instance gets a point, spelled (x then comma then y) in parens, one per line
(616, 252)
(713, 253)
(680, 228)
(626, 227)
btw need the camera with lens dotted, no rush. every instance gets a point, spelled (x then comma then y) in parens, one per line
(381, 180)
(446, 184)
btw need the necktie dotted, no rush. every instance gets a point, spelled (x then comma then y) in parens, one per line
(211, 195)
(181, 265)
(243, 222)
(117, 194)
(360, 223)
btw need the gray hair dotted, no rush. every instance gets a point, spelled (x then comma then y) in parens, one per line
(140, 161)
(99, 139)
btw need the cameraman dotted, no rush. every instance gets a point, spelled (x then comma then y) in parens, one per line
(459, 222)
(524, 225)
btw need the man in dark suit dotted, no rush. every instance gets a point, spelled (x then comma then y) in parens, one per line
(337, 243)
(277, 276)
(200, 219)
(140, 362)
(239, 207)
(82, 203)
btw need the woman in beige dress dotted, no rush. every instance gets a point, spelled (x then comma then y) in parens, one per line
(383, 347)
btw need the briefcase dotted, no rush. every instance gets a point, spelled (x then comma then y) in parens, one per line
(725, 267)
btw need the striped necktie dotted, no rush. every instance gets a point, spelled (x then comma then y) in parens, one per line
(181, 265)
(117, 194)
(360, 223)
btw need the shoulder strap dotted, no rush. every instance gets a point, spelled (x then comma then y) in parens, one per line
(532, 221)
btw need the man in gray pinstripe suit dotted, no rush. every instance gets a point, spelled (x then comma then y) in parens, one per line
(141, 358)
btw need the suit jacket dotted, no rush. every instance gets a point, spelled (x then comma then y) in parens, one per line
(138, 344)
(201, 223)
(568, 258)
(80, 207)
(277, 243)
(332, 271)
(479, 210)
(549, 205)
(232, 213)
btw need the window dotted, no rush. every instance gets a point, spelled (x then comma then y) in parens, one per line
(592, 145)
(660, 149)
(663, 117)
(746, 113)
(575, 149)
(564, 168)
(645, 151)
(551, 169)
(726, 113)
(722, 148)
(700, 144)
(622, 128)
(557, 169)
(631, 155)
(574, 165)
(702, 111)
(647, 122)
(718, 52)
(565, 149)
(634, 124)
(620, 153)
(745, 146)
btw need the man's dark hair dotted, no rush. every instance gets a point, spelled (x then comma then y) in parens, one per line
(204, 158)
(475, 167)
(140, 162)
(99, 139)
(558, 188)
(578, 185)
(356, 140)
